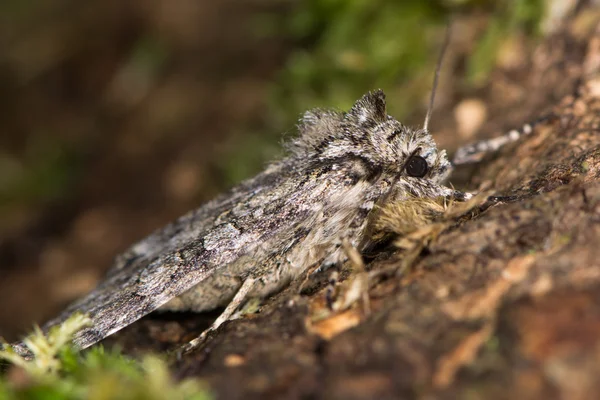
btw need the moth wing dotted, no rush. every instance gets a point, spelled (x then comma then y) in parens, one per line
(131, 293)
(174, 259)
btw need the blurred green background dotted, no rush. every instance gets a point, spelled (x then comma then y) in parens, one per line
(118, 116)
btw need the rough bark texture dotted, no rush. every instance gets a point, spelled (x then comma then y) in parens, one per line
(505, 304)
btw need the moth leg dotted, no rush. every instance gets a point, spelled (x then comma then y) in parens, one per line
(233, 305)
(475, 152)
(357, 286)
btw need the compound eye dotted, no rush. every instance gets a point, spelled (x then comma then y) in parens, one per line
(416, 167)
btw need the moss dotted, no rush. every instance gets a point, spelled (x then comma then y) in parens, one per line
(57, 370)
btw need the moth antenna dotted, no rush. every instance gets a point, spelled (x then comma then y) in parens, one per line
(475, 152)
(438, 67)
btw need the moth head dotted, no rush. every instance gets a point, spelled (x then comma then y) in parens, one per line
(366, 134)
(400, 150)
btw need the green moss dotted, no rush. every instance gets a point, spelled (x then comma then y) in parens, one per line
(57, 371)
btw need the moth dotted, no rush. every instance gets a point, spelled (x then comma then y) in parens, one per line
(267, 231)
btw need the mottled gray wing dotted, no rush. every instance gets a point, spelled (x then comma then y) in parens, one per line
(187, 251)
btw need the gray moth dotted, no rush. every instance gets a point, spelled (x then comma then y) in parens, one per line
(270, 229)
(267, 231)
